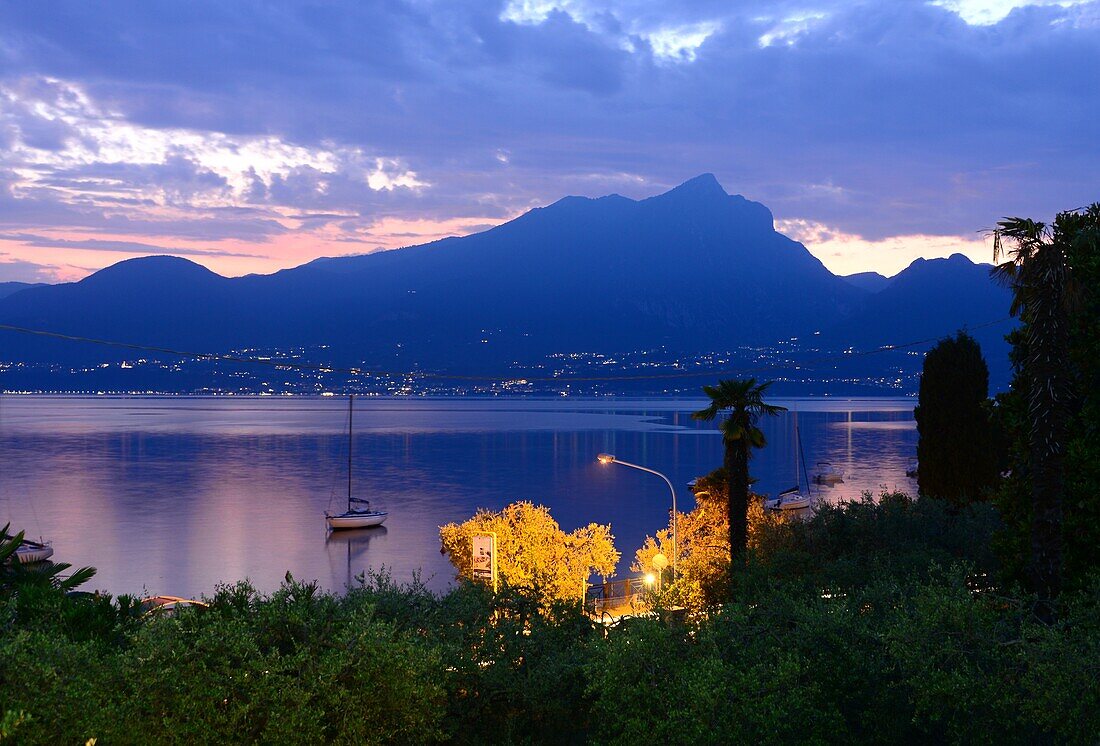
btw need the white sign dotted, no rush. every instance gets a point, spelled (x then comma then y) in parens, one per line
(484, 558)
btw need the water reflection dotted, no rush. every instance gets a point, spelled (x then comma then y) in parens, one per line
(349, 546)
(175, 495)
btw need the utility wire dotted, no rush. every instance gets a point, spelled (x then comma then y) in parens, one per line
(321, 368)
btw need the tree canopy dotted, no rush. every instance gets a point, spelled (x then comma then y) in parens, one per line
(955, 451)
(533, 551)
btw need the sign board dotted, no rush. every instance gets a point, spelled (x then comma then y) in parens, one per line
(484, 558)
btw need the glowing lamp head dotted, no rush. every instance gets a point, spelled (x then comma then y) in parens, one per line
(659, 562)
(605, 458)
(650, 578)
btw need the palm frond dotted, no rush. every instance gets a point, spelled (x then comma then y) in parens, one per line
(77, 578)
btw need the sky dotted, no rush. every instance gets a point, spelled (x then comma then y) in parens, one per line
(254, 136)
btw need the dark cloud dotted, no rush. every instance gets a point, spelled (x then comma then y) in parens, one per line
(879, 118)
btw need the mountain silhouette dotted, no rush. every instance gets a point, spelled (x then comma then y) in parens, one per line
(934, 298)
(872, 282)
(691, 270)
(10, 288)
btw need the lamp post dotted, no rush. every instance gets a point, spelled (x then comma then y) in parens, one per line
(607, 458)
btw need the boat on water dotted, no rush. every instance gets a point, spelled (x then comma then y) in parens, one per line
(826, 473)
(911, 470)
(359, 513)
(30, 552)
(168, 604)
(791, 499)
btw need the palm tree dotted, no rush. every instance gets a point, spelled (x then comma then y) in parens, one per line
(744, 400)
(1034, 263)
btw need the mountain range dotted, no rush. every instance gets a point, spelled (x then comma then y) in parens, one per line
(691, 270)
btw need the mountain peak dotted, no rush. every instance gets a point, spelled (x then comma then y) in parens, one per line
(155, 269)
(700, 186)
(955, 261)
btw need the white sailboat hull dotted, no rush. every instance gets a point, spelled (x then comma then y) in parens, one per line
(788, 501)
(353, 519)
(32, 551)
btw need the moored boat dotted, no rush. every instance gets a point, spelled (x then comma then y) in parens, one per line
(357, 517)
(791, 499)
(359, 513)
(32, 551)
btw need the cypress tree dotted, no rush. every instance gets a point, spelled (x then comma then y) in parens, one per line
(955, 449)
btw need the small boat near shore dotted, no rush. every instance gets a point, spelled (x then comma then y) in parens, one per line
(359, 513)
(27, 552)
(30, 552)
(912, 469)
(791, 499)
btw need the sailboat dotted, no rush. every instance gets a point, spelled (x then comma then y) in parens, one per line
(28, 551)
(359, 513)
(791, 499)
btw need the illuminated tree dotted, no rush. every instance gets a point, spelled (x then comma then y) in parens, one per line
(704, 543)
(533, 552)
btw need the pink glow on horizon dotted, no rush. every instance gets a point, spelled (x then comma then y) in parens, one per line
(291, 249)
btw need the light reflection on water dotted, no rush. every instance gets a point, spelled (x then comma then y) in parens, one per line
(172, 495)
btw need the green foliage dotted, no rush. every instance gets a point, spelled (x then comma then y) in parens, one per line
(955, 450)
(878, 621)
(893, 536)
(298, 666)
(10, 722)
(1073, 240)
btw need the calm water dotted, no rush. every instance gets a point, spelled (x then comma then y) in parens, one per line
(175, 495)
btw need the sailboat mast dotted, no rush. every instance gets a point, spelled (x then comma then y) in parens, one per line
(351, 399)
(798, 437)
(797, 442)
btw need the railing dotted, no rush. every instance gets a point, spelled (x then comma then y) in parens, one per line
(616, 594)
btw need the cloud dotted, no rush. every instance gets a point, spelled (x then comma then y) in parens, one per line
(126, 247)
(20, 270)
(233, 122)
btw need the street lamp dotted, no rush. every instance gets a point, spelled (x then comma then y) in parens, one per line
(607, 458)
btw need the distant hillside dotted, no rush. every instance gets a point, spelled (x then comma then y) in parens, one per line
(10, 288)
(934, 297)
(692, 270)
(872, 282)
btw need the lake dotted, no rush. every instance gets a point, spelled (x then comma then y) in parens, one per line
(174, 495)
